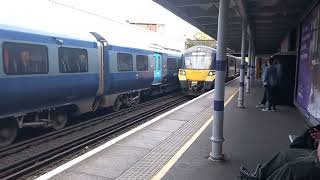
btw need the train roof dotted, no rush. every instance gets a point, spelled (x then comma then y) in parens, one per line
(77, 24)
(76, 36)
(119, 34)
(173, 53)
(127, 35)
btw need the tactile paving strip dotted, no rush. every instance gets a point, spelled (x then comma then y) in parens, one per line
(157, 158)
(152, 163)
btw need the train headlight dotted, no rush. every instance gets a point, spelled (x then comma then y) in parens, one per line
(182, 72)
(211, 73)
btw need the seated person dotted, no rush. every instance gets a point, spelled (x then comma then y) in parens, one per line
(26, 64)
(293, 164)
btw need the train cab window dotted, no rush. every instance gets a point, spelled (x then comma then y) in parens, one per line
(73, 60)
(142, 62)
(125, 62)
(198, 60)
(172, 64)
(20, 58)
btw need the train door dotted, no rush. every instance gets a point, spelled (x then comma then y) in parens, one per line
(157, 68)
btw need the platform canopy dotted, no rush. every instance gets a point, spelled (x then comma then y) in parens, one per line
(269, 20)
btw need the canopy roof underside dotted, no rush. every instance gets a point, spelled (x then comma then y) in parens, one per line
(269, 20)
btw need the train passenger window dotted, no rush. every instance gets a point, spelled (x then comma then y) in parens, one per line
(20, 58)
(125, 62)
(172, 64)
(73, 60)
(142, 63)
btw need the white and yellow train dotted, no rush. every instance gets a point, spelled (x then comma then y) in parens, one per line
(197, 72)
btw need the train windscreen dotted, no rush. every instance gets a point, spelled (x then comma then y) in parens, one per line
(231, 66)
(198, 60)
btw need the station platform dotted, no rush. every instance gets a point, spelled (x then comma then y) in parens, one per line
(176, 145)
(251, 137)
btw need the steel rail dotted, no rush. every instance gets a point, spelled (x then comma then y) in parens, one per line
(28, 165)
(89, 122)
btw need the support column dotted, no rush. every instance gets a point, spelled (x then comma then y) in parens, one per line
(252, 63)
(249, 66)
(256, 62)
(217, 125)
(242, 66)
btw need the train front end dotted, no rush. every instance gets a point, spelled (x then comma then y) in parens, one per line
(196, 74)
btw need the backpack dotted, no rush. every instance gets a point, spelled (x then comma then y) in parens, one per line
(304, 141)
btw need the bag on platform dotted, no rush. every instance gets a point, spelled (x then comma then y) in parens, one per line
(304, 141)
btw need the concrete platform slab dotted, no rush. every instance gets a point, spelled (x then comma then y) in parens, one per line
(157, 158)
(110, 163)
(167, 125)
(195, 108)
(82, 176)
(181, 115)
(146, 139)
(141, 154)
(251, 137)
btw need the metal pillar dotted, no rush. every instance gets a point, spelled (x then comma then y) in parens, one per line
(242, 66)
(217, 126)
(256, 61)
(252, 63)
(249, 66)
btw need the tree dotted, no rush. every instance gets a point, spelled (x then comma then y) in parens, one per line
(200, 38)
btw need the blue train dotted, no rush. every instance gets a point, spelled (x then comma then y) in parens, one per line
(46, 78)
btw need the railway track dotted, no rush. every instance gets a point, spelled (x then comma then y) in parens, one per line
(89, 122)
(29, 163)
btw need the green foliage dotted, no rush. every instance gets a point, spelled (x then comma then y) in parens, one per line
(200, 38)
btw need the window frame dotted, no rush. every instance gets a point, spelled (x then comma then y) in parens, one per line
(73, 48)
(189, 55)
(26, 44)
(131, 70)
(147, 58)
(175, 62)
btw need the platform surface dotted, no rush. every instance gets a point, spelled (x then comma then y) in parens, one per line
(251, 137)
(143, 154)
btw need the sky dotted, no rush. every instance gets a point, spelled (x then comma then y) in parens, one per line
(51, 16)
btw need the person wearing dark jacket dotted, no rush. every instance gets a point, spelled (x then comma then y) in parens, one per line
(270, 80)
(293, 164)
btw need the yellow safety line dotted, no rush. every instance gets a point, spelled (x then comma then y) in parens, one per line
(183, 149)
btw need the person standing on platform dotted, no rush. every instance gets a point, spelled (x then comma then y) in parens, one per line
(264, 98)
(270, 80)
